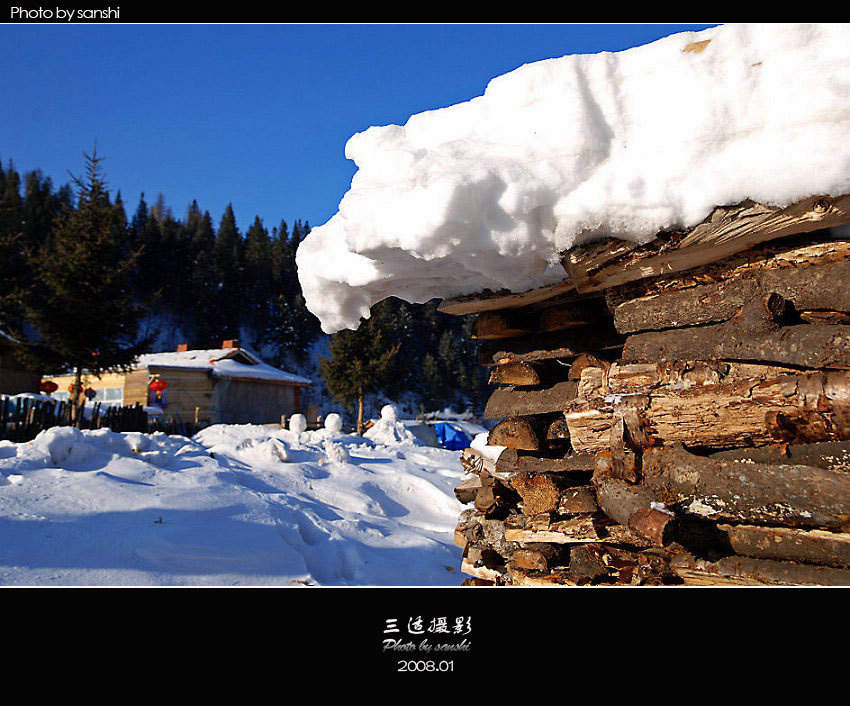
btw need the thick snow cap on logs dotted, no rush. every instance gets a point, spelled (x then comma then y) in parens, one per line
(486, 193)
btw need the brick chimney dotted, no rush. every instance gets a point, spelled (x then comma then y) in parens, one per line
(232, 343)
(182, 347)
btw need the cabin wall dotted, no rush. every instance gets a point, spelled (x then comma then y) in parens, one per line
(248, 402)
(188, 391)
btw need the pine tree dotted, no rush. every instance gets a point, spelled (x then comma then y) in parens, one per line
(258, 282)
(82, 304)
(228, 264)
(361, 362)
(13, 278)
(203, 283)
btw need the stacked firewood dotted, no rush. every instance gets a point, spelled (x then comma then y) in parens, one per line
(672, 413)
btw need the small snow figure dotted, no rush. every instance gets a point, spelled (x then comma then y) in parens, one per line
(335, 453)
(388, 414)
(333, 423)
(298, 423)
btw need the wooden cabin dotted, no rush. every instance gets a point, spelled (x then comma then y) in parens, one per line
(226, 385)
(14, 376)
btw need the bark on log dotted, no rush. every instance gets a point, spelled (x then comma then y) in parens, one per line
(793, 408)
(599, 563)
(541, 557)
(832, 455)
(495, 325)
(737, 570)
(560, 344)
(521, 433)
(803, 345)
(786, 495)
(521, 374)
(727, 231)
(523, 577)
(585, 528)
(802, 250)
(821, 287)
(504, 299)
(512, 462)
(783, 543)
(513, 402)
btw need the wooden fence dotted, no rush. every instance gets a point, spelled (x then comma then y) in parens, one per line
(22, 418)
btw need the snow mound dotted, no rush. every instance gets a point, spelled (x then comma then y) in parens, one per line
(484, 194)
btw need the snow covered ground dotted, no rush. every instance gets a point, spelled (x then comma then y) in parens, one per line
(235, 505)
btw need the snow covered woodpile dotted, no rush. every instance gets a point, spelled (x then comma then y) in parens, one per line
(666, 422)
(655, 244)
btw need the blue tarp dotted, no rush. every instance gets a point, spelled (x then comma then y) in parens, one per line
(451, 437)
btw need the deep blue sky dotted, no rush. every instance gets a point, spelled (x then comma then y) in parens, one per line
(256, 115)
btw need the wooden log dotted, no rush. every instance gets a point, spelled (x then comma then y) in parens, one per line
(523, 433)
(599, 563)
(503, 299)
(586, 360)
(620, 500)
(584, 528)
(798, 408)
(523, 577)
(566, 345)
(481, 572)
(726, 231)
(737, 570)
(788, 544)
(496, 325)
(512, 462)
(473, 461)
(654, 525)
(784, 495)
(466, 490)
(552, 492)
(804, 345)
(520, 374)
(832, 455)
(512, 402)
(478, 556)
(541, 557)
(477, 529)
(810, 288)
(493, 498)
(803, 250)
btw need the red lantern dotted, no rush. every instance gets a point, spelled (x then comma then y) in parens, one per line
(158, 385)
(72, 388)
(48, 386)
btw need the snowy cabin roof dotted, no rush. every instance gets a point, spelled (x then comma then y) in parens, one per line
(231, 363)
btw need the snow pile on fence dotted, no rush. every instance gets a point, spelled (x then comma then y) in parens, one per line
(485, 194)
(237, 504)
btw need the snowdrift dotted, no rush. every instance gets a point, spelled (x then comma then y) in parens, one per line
(237, 504)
